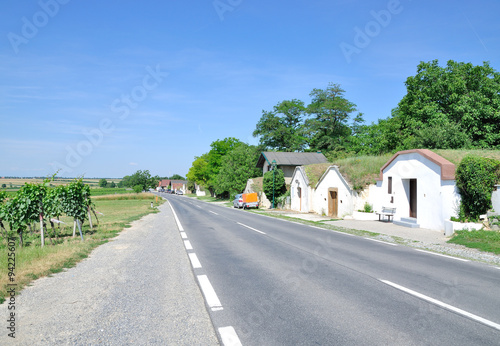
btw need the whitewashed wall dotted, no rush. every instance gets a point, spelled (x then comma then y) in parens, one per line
(299, 179)
(436, 199)
(333, 179)
(495, 199)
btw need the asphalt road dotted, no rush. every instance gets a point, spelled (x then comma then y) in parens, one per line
(275, 282)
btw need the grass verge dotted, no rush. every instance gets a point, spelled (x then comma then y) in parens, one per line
(33, 261)
(488, 241)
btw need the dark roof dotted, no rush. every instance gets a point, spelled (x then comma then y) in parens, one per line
(290, 159)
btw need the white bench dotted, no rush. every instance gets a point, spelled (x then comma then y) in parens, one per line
(386, 212)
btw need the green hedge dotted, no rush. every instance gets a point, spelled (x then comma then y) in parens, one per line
(476, 178)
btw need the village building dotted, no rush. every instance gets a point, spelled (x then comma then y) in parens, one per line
(287, 162)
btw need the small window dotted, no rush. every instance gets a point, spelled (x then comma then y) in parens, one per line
(389, 185)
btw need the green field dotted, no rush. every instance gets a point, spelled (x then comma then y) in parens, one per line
(32, 261)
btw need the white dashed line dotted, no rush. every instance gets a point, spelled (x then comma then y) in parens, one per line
(184, 235)
(253, 229)
(438, 254)
(213, 212)
(444, 305)
(229, 337)
(381, 241)
(188, 245)
(209, 293)
(194, 260)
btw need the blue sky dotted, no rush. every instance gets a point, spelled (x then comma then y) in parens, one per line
(104, 88)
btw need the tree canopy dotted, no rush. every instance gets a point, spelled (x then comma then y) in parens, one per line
(237, 167)
(282, 128)
(455, 106)
(141, 178)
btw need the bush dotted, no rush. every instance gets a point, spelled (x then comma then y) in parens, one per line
(279, 184)
(137, 188)
(476, 178)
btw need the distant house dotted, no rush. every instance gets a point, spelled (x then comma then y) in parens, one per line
(420, 184)
(173, 185)
(287, 162)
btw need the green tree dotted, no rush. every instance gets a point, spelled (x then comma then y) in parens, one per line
(476, 179)
(138, 188)
(112, 185)
(282, 128)
(4, 186)
(142, 178)
(219, 149)
(237, 167)
(452, 107)
(103, 182)
(177, 177)
(276, 184)
(198, 173)
(329, 127)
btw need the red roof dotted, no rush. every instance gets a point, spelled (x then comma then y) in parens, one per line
(447, 168)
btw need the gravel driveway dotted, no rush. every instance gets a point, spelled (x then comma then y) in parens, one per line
(137, 289)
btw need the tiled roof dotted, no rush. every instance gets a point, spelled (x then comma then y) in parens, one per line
(290, 159)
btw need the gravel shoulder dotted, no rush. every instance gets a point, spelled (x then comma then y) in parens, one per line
(137, 289)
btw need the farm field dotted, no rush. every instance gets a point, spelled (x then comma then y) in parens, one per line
(11, 185)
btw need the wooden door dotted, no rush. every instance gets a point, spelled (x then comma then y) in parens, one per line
(413, 198)
(333, 202)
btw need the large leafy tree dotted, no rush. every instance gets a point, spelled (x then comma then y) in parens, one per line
(282, 128)
(331, 111)
(237, 167)
(142, 178)
(198, 173)
(452, 107)
(219, 149)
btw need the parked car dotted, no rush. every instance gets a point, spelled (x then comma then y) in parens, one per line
(238, 201)
(179, 192)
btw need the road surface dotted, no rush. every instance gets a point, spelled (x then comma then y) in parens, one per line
(273, 282)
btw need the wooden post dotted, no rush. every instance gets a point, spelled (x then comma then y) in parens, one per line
(41, 229)
(80, 228)
(90, 218)
(74, 227)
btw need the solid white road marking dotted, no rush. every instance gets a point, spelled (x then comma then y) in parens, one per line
(229, 337)
(253, 229)
(184, 235)
(381, 241)
(188, 245)
(209, 292)
(213, 212)
(331, 230)
(194, 260)
(444, 305)
(438, 254)
(181, 229)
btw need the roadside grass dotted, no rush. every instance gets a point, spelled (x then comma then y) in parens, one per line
(33, 261)
(320, 224)
(99, 191)
(488, 241)
(212, 199)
